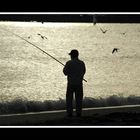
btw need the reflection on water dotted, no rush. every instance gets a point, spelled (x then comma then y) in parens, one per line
(27, 72)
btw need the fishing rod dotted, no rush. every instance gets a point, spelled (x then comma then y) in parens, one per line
(36, 47)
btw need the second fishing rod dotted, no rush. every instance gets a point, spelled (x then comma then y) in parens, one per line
(37, 48)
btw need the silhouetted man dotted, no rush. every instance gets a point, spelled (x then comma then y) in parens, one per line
(74, 70)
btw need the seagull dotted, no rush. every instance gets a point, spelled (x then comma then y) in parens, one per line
(123, 33)
(42, 36)
(103, 31)
(115, 49)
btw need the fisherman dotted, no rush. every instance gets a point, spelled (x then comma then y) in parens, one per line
(74, 70)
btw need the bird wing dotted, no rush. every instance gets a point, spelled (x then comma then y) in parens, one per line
(101, 29)
(113, 50)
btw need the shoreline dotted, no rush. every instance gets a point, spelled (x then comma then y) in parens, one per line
(88, 18)
(112, 119)
(118, 115)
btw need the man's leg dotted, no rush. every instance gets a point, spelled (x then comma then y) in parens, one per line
(69, 100)
(79, 99)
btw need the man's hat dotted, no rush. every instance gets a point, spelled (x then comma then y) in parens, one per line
(74, 53)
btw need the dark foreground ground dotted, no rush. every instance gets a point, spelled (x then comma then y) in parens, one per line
(113, 119)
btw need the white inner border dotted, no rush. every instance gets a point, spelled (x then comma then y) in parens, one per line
(74, 13)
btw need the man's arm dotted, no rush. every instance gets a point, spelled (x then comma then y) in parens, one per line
(65, 69)
(84, 70)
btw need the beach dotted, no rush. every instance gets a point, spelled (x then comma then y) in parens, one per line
(101, 116)
(112, 119)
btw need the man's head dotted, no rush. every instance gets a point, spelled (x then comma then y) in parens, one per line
(74, 53)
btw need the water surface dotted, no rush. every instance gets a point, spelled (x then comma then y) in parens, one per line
(28, 73)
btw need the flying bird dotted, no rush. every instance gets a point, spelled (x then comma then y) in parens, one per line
(115, 50)
(123, 33)
(42, 36)
(103, 31)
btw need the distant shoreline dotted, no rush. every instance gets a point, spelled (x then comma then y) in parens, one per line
(101, 18)
(19, 105)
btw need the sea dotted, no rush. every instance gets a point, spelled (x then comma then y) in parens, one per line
(28, 73)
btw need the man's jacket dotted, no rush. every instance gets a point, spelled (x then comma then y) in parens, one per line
(75, 70)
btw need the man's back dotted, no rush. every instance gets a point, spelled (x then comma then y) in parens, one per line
(75, 70)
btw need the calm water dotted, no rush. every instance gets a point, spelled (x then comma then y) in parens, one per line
(26, 72)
